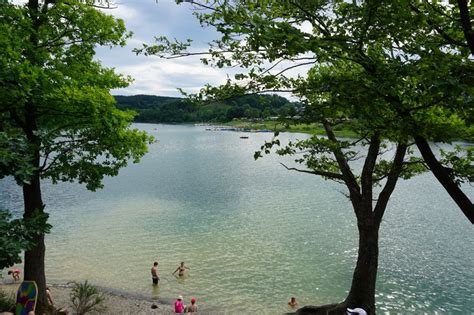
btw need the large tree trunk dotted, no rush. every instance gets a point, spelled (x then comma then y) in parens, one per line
(362, 292)
(34, 258)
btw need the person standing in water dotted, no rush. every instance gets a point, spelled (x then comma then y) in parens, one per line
(154, 273)
(293, 303)
(181, 268)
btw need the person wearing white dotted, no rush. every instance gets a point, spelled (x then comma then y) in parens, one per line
(357, 310)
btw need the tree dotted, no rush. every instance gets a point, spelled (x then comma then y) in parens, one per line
(408, 35)
(58, 120)
(466, 24)
(369, 184)
(398, 71)
(18, 235)
(250, 112)
(455, 35)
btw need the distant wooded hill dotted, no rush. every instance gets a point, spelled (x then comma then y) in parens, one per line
(162, 109)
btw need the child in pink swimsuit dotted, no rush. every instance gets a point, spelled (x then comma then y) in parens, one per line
(178, 305)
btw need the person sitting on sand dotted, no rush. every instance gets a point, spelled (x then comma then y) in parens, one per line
(154, 273)
(15, 274)
(193, 307)
(293, 302)
(179, 305)
(51, 307)
(181, 268)
(49, 296)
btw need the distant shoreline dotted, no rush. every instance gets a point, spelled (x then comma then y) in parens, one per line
(258, 126)
(342, 132)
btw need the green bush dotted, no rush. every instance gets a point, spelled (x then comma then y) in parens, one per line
(7, 301)
(86, 298)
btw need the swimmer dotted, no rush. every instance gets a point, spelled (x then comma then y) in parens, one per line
(181, 268)
(193, 307)
(293, 303)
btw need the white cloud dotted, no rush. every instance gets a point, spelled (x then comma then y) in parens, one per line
(147, 19)
(163, 77)
(306, 27)
(124, 11)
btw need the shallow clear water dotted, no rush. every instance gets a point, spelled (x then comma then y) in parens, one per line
(252, 233)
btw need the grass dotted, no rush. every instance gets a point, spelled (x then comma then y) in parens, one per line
(340, 130)
(344, 130)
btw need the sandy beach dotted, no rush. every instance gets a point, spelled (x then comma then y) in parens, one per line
(114, 303)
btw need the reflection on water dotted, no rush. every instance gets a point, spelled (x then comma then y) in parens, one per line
(252, 233)
(155, 293)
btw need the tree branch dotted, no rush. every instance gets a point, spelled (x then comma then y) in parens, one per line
(330, 175)
(322, 27)
(392, 179)
(466, 23)
(443, 34)
(348, 176)
(443, 177)
(295, 66)
(368, 170)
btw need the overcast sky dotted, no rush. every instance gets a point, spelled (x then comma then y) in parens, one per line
(155, 76)
(152, 75)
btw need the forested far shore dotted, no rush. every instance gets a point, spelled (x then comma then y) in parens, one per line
(163, 109)
(249, 111)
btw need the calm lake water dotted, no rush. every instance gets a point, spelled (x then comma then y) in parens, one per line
(253, 233)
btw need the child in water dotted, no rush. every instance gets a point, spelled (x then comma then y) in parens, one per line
(15, 274)
(292, 303)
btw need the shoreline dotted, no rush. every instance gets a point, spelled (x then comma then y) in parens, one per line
(343, 133)
(116, 301)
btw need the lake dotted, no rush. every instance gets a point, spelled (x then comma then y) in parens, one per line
(252, 233)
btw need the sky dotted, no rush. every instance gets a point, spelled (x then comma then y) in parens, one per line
(152, 75)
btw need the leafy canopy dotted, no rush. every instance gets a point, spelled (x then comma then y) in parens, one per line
(18, 235)
(400, 69)
(58, 120)
(55, 99)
